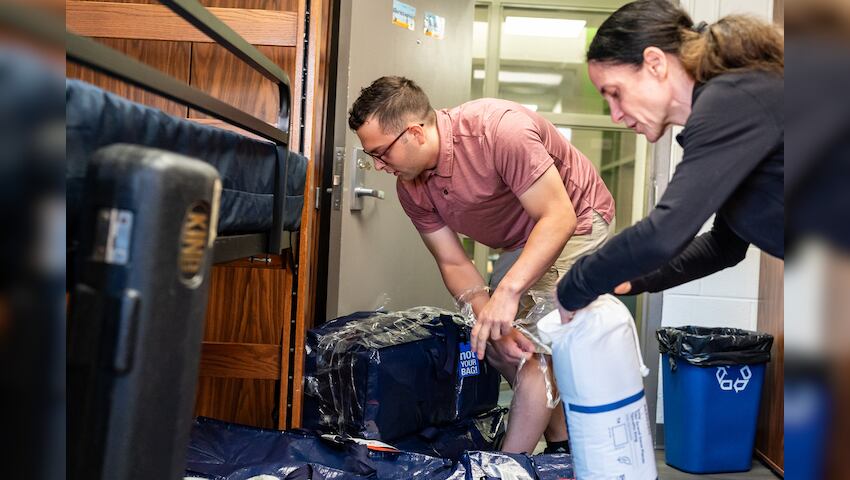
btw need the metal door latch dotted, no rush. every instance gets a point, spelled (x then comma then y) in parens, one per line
(361, 164)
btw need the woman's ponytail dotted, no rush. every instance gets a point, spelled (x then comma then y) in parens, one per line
(735, 43)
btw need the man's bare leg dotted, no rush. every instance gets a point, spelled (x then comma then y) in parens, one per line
(529, 416)
(556, 430)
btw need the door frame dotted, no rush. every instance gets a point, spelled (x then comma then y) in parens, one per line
(653, 303)
(325, 181)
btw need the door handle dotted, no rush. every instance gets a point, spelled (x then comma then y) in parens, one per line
(359, 164)
(369, 192)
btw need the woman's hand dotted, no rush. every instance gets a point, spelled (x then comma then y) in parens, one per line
(566, 315)
(623, 288)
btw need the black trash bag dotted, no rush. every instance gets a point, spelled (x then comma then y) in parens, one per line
(707, 347)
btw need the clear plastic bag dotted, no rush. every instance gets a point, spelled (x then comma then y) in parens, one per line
(348, 357)
(544, 302)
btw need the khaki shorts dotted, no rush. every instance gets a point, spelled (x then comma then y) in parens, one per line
(577, 247)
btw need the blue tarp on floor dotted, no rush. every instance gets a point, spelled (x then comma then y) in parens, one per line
(224, 451)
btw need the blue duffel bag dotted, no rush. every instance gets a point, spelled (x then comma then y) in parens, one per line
(481, 432)
(386, 376)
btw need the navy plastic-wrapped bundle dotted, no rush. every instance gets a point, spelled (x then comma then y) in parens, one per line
(481, 432)
(514, 466)
(225, 451)
(390, 375)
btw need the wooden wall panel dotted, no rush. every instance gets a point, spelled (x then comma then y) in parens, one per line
(148, 2)
(157, 22)
(770, 438)
(286, 5)
(247, 305)
(241, 360)
(238, 400)
(285, 367)
(222, 75)
(172, 58)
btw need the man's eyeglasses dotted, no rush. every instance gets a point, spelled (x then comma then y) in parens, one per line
(380, 157)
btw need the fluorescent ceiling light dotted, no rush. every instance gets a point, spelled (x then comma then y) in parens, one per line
(549, 79)
(544, 27)
(530, 106)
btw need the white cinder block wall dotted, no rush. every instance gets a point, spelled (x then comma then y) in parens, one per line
(728, 298)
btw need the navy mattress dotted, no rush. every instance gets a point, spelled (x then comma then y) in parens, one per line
(96, 118)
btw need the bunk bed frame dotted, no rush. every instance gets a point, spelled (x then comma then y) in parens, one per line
(89, 53)
(233, 360)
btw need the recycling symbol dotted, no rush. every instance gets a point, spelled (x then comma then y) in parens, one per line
(737, 384)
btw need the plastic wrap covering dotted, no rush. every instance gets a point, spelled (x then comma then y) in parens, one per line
(527, 325)
(482, 432)
(225, 451)
(512, 466)
(707, 347)
(389, 375)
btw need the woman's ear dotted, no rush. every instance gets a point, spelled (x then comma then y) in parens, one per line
(655, 61)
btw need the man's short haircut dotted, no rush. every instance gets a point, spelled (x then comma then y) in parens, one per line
(394, 101)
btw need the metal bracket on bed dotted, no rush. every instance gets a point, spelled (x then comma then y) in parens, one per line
(97, 56)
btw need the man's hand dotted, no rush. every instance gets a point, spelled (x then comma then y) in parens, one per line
(494, 320)
(512, 347)
(623, 288)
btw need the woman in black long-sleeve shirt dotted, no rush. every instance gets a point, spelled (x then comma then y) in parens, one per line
(724, 83)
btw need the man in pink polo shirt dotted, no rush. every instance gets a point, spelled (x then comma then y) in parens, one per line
(505, 177)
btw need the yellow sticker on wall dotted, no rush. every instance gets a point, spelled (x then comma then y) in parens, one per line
(435, 26)
(404, 15)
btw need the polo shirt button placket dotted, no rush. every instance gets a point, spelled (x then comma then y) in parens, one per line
(445, 191)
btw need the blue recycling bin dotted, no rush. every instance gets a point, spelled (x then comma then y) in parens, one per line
(712, 389)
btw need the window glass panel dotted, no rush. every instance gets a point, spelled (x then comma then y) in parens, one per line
(479, 49)
(612, 152)
(542, 60)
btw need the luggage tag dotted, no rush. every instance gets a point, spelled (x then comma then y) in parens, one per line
(467, 365)
(372, 445)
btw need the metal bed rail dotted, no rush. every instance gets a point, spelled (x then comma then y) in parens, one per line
(97, 56)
